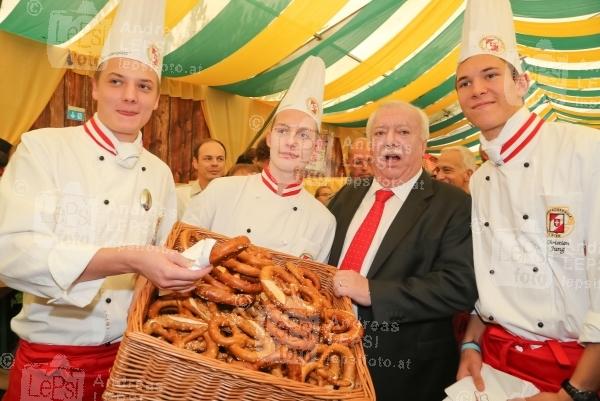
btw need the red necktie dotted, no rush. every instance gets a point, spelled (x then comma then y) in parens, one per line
(355, 255)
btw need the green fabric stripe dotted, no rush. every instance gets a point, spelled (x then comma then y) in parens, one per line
(336, 46)
(570, 92)
(463, 135)
(453, 138)
(557, 43)
(409, 71)
(436, 93)
(231, 29)
(53, 23)
(585, 106)
(447, 122)
(554, 8)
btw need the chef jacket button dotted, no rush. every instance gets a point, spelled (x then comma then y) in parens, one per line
(492, 271)
(108, 300)
(248, 230)
(491, 318)
(540, 325)
(106, 201)
(487, 177)
(143, 168)
(526, 164)
(295, 208)
(525, 217)
(487, 224)
(535, 269)
(101, 158)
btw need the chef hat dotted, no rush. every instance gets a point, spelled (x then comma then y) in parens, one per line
(488, 28)
(306, 92)
(137, 33)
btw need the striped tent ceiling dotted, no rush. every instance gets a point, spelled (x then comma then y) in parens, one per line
(374, 51)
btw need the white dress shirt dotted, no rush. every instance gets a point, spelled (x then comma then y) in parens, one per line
(391, 209)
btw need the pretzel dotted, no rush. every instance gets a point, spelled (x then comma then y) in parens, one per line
(340, 327)
(295, 303)
(298, 329)
(284, 337)
(227, 249)
(348, 362)
(165, 306)
(197, 309)
(221, 295)
(225, 321)
(255, 257)
(237, 283)
(242, 268)
(261, 343)
(304, 276)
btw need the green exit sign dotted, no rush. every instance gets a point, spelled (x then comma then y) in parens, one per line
(75, 113)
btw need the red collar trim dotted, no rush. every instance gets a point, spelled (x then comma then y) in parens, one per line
(521, 138)
(95, 132)
(269, 181)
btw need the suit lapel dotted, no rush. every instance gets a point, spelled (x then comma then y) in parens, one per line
(349, 203)
(408, 215)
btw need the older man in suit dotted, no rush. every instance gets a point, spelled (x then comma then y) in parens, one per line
(403, 245)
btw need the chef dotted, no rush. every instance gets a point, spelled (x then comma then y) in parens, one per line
(273, 209)
(81, 210)
(536, 209)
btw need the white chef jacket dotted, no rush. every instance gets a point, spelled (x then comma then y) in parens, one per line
(61, 199)
(184, 193)
(244, 205)
(536, 232)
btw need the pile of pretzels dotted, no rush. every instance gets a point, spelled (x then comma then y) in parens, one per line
(253, 313)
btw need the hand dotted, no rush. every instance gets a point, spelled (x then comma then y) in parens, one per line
(351, 284)
(166, 268)
(470, 365)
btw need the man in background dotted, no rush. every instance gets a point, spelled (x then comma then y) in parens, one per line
(455, 166)
(359, 159)
(209, 163)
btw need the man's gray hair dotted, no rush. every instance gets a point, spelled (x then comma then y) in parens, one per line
(468, 158)
(401, 104)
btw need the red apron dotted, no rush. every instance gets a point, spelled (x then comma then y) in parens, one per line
(59, 373)
(544, 363)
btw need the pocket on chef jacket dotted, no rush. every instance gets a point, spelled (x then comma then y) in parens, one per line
(306, 249)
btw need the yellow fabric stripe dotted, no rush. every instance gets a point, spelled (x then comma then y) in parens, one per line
(434, 77)
(441, 104)
(91, 43)
(564, 56)
(296, 24)
(421, 29)
(30, 82)
(574, 99)
(590, 26)
(587, 83)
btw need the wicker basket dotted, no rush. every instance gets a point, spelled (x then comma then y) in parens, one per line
(147, 368)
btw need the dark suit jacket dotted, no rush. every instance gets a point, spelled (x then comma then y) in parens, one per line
(421, 275)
